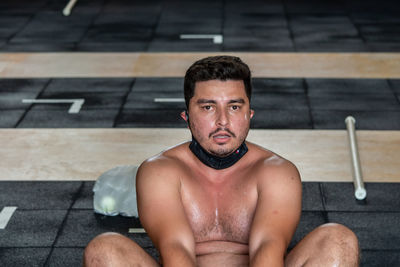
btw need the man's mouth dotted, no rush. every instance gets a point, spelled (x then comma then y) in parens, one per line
(222, 133)
(221, 138)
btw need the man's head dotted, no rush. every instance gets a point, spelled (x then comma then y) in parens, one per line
(216, 68)
(217, 91)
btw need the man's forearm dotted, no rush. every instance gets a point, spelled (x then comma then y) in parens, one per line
(268, 254)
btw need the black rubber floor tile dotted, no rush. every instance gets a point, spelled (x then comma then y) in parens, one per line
(322, 28)
(10, 24)
(10, 118)
(119, 32)
(256, 7)
(83, 225)
(355, 102)
(133, 46)
(332, 87)
(312, 199)
(23, 256)
(13, 100)
(50, 35)
(384, 46)
(380, 197)
(191, 26)
(65, 257)
(158, 85)
(192, 11)
(32, 228)
(21, 7)
(174, 44)
(100, 118)
(150, 118)
(308, 222)
(52, 27)
(395, 85)
(22, 85)
(314, 7)
(333, 33)
(126, 33)
(281, 119)
(89, 85)
(38, 46)
(322, 24)
(379, 258)
(236, 23)
(331, 47)
(13, 91)
(85, 197)
(189, 18)
(365, 120)
(375, 17)
(93, 100)
(277, 85)
(151, 100)
(254, 31)
(375, 230)
(152, 251)
(38, 195)
(381, 32)
(256, 47)
(283, 101)
(136, 16)
(254, 43)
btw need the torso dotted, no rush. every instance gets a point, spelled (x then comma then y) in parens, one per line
(220, 205)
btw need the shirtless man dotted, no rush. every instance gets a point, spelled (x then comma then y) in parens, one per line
(220, 200)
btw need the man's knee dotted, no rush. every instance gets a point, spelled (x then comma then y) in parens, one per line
(339, 240)
(337, 233)
(102, 249)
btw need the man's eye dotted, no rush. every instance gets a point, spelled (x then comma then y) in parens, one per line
(235, 107)
(207, 107)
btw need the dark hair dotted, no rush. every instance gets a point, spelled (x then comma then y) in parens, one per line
(216, 68)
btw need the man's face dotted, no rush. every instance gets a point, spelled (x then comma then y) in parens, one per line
(219, 115)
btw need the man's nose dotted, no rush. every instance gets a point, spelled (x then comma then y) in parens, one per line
(222, 118)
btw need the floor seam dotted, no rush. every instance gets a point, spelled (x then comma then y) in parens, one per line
(75, 197)
(124, 99)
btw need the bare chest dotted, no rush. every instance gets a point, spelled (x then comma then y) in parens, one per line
(222, 213)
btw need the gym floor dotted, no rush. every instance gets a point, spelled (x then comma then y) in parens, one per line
(54, 220)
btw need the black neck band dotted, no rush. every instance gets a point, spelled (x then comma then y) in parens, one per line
(215, 162)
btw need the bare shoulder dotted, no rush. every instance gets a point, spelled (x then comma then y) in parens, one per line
(272, 168)
(166, 164)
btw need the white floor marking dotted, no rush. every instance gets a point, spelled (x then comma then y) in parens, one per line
(217, 38)
(163, 100)
(67, 10)
(136, 230)
(75, 107)
(5, 216)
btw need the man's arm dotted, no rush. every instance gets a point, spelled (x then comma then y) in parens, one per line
(277, 213)
(162, 214)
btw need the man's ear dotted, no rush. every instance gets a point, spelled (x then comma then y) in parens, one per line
(184, 115)
(251, 113)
